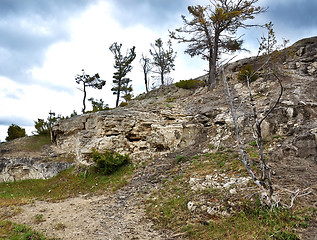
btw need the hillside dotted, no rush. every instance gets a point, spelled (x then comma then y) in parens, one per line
(187, 182)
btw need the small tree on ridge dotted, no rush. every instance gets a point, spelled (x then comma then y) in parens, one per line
(163, 60)
(147, 67)
(123, 67)
(88, 81)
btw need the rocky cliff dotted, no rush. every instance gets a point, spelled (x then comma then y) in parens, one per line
(170, 119)
(166, 128)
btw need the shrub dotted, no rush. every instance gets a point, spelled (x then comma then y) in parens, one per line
(109, 162)
(247, 72)
(190, 84)
(123, 104)
(15, 131)
(98, 105)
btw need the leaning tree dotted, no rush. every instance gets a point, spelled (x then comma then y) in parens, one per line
(213, 30)
(88, 81)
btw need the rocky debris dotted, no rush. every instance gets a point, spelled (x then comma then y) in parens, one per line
(218, 180)
(229, 185)
(15, 169)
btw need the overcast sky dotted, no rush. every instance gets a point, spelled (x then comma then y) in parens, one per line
(45, 43)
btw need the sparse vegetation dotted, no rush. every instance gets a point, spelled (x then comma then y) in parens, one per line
(123, 104)
(35, 143)
(60, 226)
(181, 158)
(248, 219)
(38, 218)
(15, 131)
(9, 230)
(64, 185)
(247, 73)
(190, 84)
(169, 100)
(109, 162)
(98, 105)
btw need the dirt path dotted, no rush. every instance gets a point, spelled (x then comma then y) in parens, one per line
(120, 215)
(100, 217)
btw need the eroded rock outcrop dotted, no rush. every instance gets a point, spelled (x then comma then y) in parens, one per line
(15, 169)
(19, 162)
(141, 134)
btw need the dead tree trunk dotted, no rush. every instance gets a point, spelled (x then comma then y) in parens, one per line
(264, 182)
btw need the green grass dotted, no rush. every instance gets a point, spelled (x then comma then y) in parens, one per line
(225, 161)
(9, 230)
(35, 143)
(167, 207)
(30, 144)
(66, 184)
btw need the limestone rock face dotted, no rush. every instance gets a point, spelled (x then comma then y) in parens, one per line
(127, 131)
(15, 169)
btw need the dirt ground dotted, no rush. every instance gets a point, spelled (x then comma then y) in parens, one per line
(120, 215)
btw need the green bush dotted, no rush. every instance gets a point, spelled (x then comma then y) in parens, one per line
(190, 84)
(123, 104)
(15, 131)
(98, 105)
(247, 73)
(109, 162)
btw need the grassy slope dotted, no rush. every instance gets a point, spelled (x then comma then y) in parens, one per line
(247, 220)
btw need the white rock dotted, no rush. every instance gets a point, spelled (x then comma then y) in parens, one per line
(191, 206)
(233, 191)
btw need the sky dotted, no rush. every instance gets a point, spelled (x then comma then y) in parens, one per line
(45, 43)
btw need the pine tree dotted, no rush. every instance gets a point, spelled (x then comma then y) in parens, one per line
(123, 67)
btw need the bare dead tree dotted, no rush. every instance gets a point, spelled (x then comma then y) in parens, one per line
(147, 67)
(264, 181)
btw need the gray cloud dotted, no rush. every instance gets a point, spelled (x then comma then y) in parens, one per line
(21, 121)
(294, 13)
(151, 13)
(28, 28)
